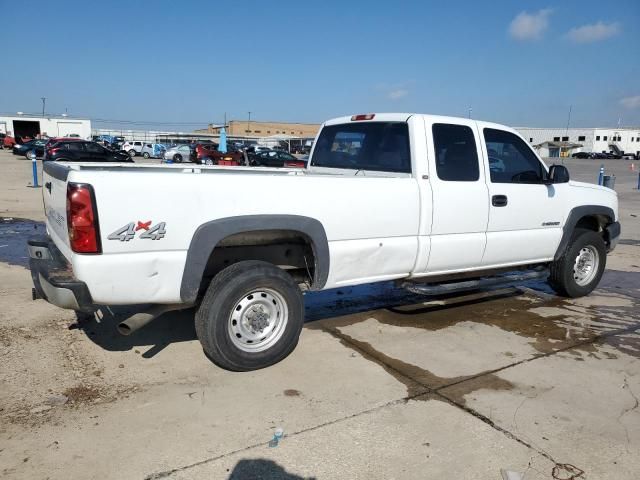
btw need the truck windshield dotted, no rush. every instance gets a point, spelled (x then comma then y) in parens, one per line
(376, 146)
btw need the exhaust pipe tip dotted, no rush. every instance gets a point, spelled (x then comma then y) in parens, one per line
(140, 319)
(124, 329)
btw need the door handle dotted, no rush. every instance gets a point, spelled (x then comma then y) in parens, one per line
(499, 201)
(47, 185)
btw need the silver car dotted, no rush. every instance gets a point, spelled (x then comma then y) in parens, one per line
(179, 153)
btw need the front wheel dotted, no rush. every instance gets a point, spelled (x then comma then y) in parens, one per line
(251, 316)
(579, 270)
(132, 153)
(177, 158)
(145, 155)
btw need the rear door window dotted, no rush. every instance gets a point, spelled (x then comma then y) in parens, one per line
(456, 153)
(375, 146)
(73, 146)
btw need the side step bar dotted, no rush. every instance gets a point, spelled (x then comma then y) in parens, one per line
(513, 279)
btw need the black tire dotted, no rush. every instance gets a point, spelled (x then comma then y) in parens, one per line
(562, 276)
(132, 153)
(27, 154)
(228, 288)
(145, 155)
(177, 158)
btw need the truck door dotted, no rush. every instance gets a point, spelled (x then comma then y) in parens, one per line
(525, 215)
(460, 197)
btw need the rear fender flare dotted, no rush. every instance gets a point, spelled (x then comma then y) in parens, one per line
(209, 234)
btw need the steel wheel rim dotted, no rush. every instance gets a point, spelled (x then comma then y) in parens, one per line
(586, 265)
(258, 320)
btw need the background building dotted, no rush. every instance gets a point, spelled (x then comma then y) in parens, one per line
(32, 125)
(555, 142)
(250, 128)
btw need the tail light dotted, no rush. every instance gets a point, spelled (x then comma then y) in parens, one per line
(52, 151)
(82, 219)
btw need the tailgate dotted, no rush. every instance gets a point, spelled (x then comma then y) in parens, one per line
(54, 194)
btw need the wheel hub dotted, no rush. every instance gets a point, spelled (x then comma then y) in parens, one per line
(258, 320)
(586, 265)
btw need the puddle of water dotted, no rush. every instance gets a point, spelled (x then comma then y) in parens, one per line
(14, 233)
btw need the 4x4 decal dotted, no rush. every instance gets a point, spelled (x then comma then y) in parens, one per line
(126, 233)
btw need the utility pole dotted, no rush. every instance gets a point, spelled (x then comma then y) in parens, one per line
(568, 121)
(44, 99)
(470, 110)
(249, 123)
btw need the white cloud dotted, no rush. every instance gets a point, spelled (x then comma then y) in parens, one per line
(630, 102)
(530, 26)
(398, 93)
(593, 33)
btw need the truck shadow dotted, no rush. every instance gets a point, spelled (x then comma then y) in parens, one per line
(178, 326)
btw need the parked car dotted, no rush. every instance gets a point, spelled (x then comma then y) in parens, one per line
(582, 155)
(180, 153)
(74, 150)
(276, 159)
(133, 148)
(427, 212)
(7, 142)
(153, 150)
(25, 149)
(208, 154)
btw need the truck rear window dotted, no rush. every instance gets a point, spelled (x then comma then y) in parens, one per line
(376, 146)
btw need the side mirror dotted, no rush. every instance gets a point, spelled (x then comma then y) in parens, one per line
(558, 174)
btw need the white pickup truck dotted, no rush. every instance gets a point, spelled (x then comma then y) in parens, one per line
(433, 201)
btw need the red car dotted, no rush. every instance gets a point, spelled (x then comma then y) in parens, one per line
(7, 141)
(208, 154)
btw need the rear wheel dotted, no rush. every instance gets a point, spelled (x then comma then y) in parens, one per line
(145, 155)
(579, 270)
(251, 316)
(27, 154)
(177, 158)
(132, 153)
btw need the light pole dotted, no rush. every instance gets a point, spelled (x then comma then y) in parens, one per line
(44, 99)
(249, 123)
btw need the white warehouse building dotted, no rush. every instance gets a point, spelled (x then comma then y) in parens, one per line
(557, 142)
(53, 126)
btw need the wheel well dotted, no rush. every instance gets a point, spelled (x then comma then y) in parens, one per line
(591, 222)
(290, 250)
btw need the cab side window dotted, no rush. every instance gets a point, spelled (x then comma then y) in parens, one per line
(510, 159)
(456, 153)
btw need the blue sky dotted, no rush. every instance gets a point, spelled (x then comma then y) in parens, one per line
(514, 62)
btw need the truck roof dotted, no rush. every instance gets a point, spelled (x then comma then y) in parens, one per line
(403, 117)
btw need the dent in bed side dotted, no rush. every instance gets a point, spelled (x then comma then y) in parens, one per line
(209, 234)
(574, 217)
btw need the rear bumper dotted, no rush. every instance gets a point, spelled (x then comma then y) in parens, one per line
(53, 278)
(612, 235)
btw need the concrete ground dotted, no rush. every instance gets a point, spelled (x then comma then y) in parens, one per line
(382, 384)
